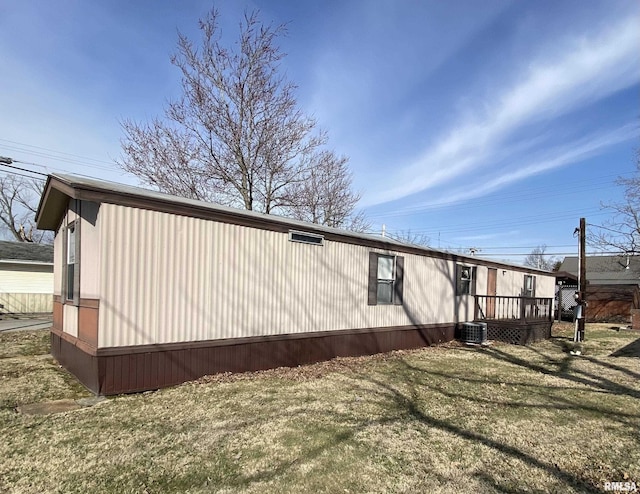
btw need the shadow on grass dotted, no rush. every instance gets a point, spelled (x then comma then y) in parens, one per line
(402, 405)
(408, 404)
(565, 370)
(327, 436)
(556, 401)
(631, 350)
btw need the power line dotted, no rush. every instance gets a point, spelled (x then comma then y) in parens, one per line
(63, 160)
(521, 254)
(50, 168)
(531, 193)
(530, 247)
(18, 174)
(513, 221)
(22, 169)
(84, 158)
(69, 161)
(609, 229)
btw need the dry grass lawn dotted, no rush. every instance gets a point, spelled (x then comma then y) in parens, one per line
(441, 419)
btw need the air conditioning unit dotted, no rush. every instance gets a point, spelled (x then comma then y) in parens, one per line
(474, 332)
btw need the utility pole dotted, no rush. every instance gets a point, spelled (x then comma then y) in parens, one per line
(582, 279)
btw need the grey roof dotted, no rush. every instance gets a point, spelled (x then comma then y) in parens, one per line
(76, 181)
(607, 270)
(131, 190)
(25, 252)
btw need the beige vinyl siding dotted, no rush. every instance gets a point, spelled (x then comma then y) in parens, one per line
(58, 253)
(545, 286)
(69, 312)
(511, 283)
(464, 307)
(70, 319)
(168, 278)
(89, 251)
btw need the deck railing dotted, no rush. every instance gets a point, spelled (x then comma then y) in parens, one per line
(489, 307)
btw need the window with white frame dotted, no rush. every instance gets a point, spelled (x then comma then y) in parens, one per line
(386, 278)
(70, 262)
(386, 274)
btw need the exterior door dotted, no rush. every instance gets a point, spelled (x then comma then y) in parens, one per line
(492, 283)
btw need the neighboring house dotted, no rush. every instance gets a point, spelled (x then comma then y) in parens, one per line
(26, 278)
(612, 286)
(152, 290)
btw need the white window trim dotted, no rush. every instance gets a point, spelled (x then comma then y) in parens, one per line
(390, 281)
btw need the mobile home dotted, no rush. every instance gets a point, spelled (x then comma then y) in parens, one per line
(152, 290)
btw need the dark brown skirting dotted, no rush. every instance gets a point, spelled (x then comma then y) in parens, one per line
(77, 361)
(112, 371)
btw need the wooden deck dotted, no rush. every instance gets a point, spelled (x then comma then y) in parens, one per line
(515, 320)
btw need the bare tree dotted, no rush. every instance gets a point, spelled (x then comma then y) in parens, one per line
(621, 232)
(324, 195)
(411, 238)
(18, 203)
(236, 135)
(539, 260)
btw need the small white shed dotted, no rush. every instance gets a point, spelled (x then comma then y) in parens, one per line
(26, 278)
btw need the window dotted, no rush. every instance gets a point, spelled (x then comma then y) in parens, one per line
(465, 280)
(385, 277)
(70, 264)
(386, 273)
(306, 238)
(529, 286)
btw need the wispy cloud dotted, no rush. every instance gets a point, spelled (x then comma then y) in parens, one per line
(553, 158)
(582, 71)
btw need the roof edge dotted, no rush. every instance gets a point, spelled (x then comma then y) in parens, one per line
(60, 188)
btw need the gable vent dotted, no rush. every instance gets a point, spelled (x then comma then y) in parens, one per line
(306, 238)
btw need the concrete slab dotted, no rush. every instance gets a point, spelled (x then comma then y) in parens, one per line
(47, 407)
(58, 406)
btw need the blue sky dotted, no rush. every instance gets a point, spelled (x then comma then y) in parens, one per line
(492, 124)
